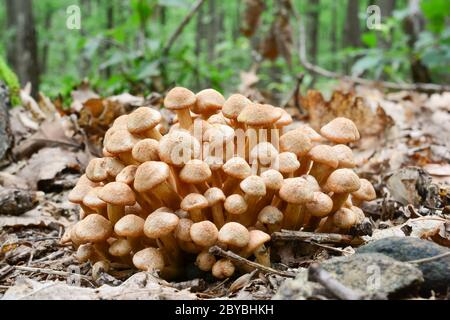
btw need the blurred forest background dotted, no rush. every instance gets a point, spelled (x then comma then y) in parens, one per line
(124, 45)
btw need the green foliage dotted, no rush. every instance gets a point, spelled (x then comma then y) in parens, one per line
(10, 79)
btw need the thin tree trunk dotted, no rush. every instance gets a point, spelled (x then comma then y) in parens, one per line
(109, 26)
(334, 33)
(352, 31)
(199, 35)
(313, 17)
(46, 47)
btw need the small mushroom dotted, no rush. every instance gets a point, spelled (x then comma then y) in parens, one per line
(318, 208)
(146, 150)
(181, 100)
(287, 163)
(324, 161)
(233, 106)
(194, 203)
(209, 102)
(236, 169)
(254, 189)
(366, 192)
(143, 121)
(205, 261)
(93, 229)
(92, 201)
(81, 189)
(340, 130)
(271, 218)
(256, 246)
(234, 235)
(235, 205)
(196, 172)
(204, 233)
(120, 143)
(215, 198)
(117, 195)
(223, 269)
(299, 143)
(148, 259)
(344, 155)
(132, 228)
(296, 192)
(96, 170)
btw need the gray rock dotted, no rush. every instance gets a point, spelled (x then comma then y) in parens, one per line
(370, 274)
(436, 273)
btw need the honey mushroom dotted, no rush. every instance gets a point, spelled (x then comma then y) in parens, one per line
(143, 121)
(324, 161)
(256, 246)
(205, 261)
(366, 192)
(194, 203)
(235, 206)
(215, 198)
(296, 192)
(344, 219)
(273, 181)
(271, 219)
(146, 150)
(180, 100)
(196, 172)
(131, 227)
(149, 259)
(218, 118)
(223, 269)
(120, 143)
(183, 236)
(92, 201)
(254, 188)
(319, 207)
(232, 107)
(96, 170)
(117, 195)
(287, 163)
(234, 236)
(220, 141)
(262, 157)
(208, 102)
(345, 156)
(340, 130)
(215, 165)
(278, 128)
(81, 189)
(204, 233)
(297, 142)
(236, 169)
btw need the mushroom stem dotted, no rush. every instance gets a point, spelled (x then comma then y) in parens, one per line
(184, 118)
(321, 172)
(167, 194)
(313, 223)
(86, 209)
(153, 133)
(197, 215)
(229, 184)
(171, 248)
(127, 158)
(216, 179)
(265, 200)
(294, 215)
(249, 217)
(338, 201)
(202, 187)
(274, 137)
(217, 214)
(115, 213)
(305, 163)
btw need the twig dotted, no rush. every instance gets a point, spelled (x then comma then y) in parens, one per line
(215, 250)
(51, 271)
(5, 271)
(290, 235)
(317, 274)
(439, 256)
(330, 74)
(181, 26)
(295, 93)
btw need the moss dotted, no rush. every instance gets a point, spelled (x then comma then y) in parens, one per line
(10, 79)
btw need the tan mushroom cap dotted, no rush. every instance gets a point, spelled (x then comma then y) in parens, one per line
(195, 171)
(257, 238)
(92, 200)
(182, 214)
(81, 189)
(218, 134)
(148, 259)
(94, 228)
(182, 232)
(342, 181)
(120, 141)
(345, 156)
(340, 130)
(324, 154)
(270, 215)
(320, 206)
(259, 115)
(199, 127)
(218, 118)
(205, 261)
(309, 132)
(96, 170)
(136, 209)
(113, 166)
(208, 101)
(117, 193)
(273, 179)
(179, 98)
(204, 233)
(121, 122)
(150, 174)
(146, 150)
(214, 163)
(360, 216)
(287, 162)
(253, 186)
(130, 226)
(237, 167)
(143, 119)
(193, 201)
(178, 147)
(344, 218)
(235, 204)
(264, 152)
(234, 105)
(234, 234)
(284, 120)
(312, 182)
(214, 195)
(120, 248)
(159, 224)
(296, 142)
(223, 268)
(127, 175)
(296, 191)
(366, 192)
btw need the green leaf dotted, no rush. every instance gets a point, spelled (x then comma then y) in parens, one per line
(149, 70)
(366, 63)
(369, 39)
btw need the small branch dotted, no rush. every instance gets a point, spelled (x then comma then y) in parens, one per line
(215, 250)
(290, 235)
(181, 27)
(439, 256)
(317, 274)
(51, 271)
(295, 93)
(329, 74)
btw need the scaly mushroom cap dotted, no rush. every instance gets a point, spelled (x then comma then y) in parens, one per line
(127, 174)
(287, 162)
(148, 259)
(296, 142)
(120, 141)
(81, 189)
(92, 200)
(179, 98)
(309, 132)
(218, 118)
(272, 179)
(208, 101)
(146, 150)
(253, 186)
(234, 234)
(366, 192)
(270, 215)
(320, 206)
(344, 218)
(130, 226)
(205, 261)
(117, 193)
(120, 248)
(296, 191)
(178, 147)
(150, 174)
(264, 152)
(193, 201)
(237, 168)
(284, 120)
(342, 181)
(121, 122)
(182, 232)
(143, 119)
(257, 238)
(96, 170)
(113, 166)
(223, 268)
(94, 228)
(345, 156)
(204, 233)
(195, 171)
(324, 154)
(214, 196)
(259, 115)
(340, 130)
(159, 224)
(312, 182)
(359, 214)
(234, 105)
(235, 204)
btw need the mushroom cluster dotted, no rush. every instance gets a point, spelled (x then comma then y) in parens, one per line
(226, 174)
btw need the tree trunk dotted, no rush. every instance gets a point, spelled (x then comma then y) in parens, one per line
(334, 32)
(22, 49)
(109, 26)
(352, 31)
(313, 26)
(199, 35)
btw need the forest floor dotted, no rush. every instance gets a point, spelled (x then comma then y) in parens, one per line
(404, 152)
